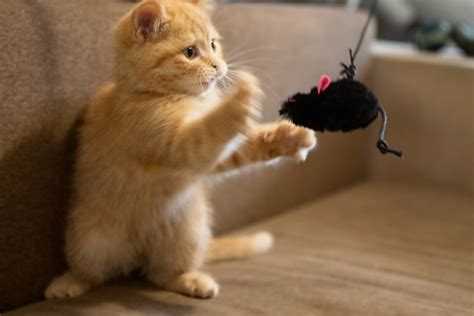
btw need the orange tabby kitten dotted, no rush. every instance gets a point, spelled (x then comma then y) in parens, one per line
(148, 141)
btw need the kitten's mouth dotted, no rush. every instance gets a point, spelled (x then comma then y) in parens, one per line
(207, 84)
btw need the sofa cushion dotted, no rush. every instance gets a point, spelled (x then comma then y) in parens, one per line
(56, 53)
(375, 249)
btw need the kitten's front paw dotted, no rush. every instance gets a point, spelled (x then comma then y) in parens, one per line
(248, 87)
(290, 140)
(196, 284)
(247, 97)
(65, 286)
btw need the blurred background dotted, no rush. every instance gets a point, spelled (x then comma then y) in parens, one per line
(400, 19)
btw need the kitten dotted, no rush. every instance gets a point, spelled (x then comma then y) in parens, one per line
(148, 141)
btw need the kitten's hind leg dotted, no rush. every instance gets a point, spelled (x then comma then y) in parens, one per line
(66, 286)
(194, 284)
(94, 257)
(174, 259)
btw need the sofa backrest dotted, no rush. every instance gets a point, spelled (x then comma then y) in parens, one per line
(289, 47)
(55, 53)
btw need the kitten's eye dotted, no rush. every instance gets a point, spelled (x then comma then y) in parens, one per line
(191, 52)
(214, 45)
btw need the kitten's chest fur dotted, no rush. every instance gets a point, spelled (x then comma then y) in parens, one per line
(204, 105)
(110, 161)
(209, 103)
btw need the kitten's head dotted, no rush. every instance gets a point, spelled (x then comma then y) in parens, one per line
(169, 46)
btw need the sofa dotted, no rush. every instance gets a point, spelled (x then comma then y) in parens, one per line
(356, 233)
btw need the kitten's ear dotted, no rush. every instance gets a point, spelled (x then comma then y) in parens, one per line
(207, 5)
(148, 19)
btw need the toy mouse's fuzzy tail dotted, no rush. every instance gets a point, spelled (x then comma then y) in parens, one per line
(239, 247)
(382, 144)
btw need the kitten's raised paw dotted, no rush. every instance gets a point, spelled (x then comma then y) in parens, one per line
(246, 82)
(290, 140)
(248, 93)
(65, 286)
(196, 284)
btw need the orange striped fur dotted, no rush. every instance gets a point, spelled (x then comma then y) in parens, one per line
(149, 139)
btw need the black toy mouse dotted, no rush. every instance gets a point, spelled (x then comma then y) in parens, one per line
(343, 105)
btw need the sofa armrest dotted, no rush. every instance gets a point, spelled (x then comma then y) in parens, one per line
(430, 99)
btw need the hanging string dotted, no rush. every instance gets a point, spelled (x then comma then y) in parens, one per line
(382, 144)
(349, 71)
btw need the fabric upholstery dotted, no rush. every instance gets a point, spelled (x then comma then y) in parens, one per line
(54, 54)
(374, 249)
(430, 101)
(289, 47)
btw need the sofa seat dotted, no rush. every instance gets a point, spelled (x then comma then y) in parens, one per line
(373, 249)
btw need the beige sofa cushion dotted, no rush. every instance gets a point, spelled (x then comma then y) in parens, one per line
(375, 249)
(54, 55)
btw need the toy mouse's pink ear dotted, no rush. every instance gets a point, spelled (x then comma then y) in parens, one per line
(324, 83)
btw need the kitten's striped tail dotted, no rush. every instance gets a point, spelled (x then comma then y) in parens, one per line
(239, 247)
